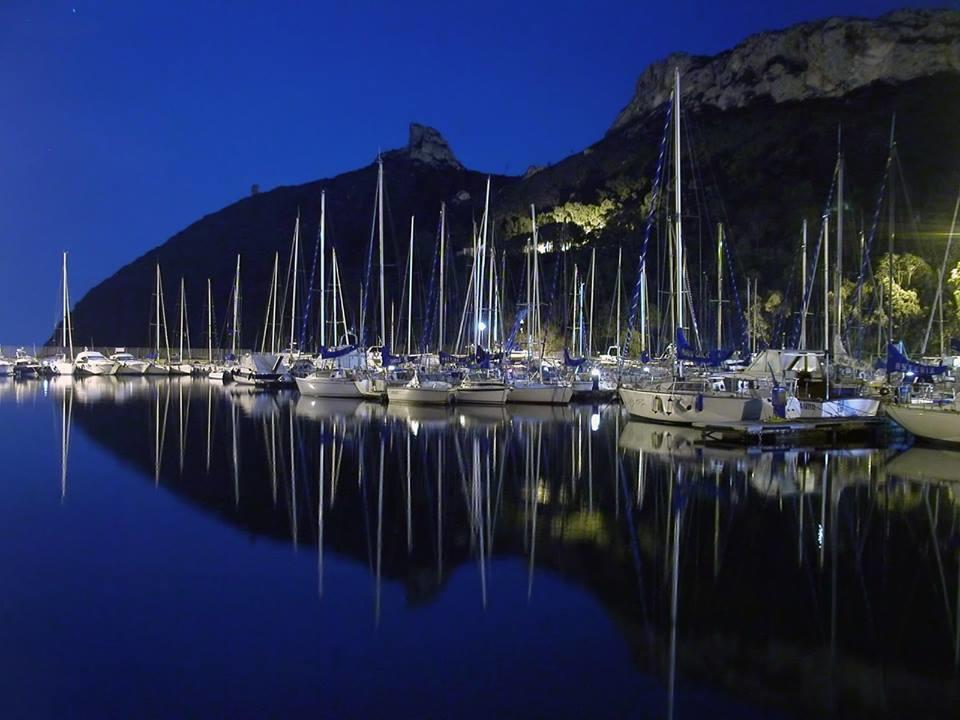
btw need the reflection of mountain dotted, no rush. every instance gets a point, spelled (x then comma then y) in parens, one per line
(823, 602)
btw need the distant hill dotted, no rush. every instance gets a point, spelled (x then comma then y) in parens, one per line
(761, 120)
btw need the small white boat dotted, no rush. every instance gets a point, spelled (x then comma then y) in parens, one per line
(939, 422)
(540, 393)
(63, 366)
(91, 362)
(481, 391)
(329, 383)
(421, 392)
(128, 364)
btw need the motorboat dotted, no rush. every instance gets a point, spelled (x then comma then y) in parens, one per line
(257, 369)
(128, 364)
(91, 362)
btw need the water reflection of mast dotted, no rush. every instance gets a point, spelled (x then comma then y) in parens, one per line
(533, 484)
(440, 448)
(294, 534)
(209, 422)
(184, 421)
(409, 509)
(320, 518)
(235, 455)
(66, 422)
(376, 610)
(160, 433)
(676, 477)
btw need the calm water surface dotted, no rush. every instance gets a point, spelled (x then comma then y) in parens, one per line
(177, 548)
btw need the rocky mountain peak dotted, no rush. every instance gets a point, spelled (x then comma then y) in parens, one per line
(426, 145)
(827, 58)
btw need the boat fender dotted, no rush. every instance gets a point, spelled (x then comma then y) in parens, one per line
(699, 402)
(657, 405)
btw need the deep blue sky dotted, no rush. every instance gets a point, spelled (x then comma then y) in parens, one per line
(123, 121)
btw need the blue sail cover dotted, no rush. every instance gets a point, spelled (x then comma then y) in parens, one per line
(327, 353)
(389, 359)
(572, 362)
(715, 358)
(512, 339)
(897, 361)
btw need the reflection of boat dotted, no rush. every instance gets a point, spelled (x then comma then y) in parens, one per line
(324, 408)
(926, 465)
(435, 416)
(479, 415)
(540, 413)
(930, 422)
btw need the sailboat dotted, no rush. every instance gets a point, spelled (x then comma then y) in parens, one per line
(157, 366)
(699, 399)
(224, 371)
(183, 366)
(63, 364)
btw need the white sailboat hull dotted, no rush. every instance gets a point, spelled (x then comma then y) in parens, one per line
(64, 367)
(481, 395)
(419, 396)
(540, 394)
(846, 407)
(154, 369)
(686, 409)
(929, 423)
(328, 387)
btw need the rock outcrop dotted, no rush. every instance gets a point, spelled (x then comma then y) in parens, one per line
(823, 59)
(426, 145)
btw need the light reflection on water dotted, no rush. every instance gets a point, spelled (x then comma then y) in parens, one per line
(734, 582)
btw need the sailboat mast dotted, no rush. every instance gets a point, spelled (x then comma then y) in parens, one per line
(677, 205)
(383, 299)
(274, 338)
(410, 290)
(236, 308)
(157, 294)
(209, 322)
(892, 231)
(183, 298)
(442, 304)
(323, 271)
(593, 286)
(573, 329)
(618, 293)
(296, 259)
(530, 256)
(803, 286)
(719, 285)
(826, 284)
(838, 265)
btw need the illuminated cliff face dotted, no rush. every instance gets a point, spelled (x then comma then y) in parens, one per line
(824, 59)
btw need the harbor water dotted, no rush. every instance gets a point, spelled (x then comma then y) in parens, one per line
(177, 547)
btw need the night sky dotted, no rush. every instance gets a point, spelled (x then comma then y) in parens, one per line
(123, 121)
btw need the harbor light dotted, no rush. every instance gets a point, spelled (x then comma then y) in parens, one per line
(481, 325)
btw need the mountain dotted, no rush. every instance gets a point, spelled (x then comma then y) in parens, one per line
(761, 125)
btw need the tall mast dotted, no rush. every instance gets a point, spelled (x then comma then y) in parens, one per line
(593, 287)
(209, 322)
(183, 298)
(236, 308)
(530, 256)
(67, 323)
(296, 258)
(719, 285)
(838, 265)
(333, 289)
(274, 338)
(323, 271)
(943, 268)
(617, 294)
(826, 283)
(892, 231)
(410, 290)
(441, 305)
(573, 329)
(677, 207)
(157, 293)
(383, 299)
(803, 286)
